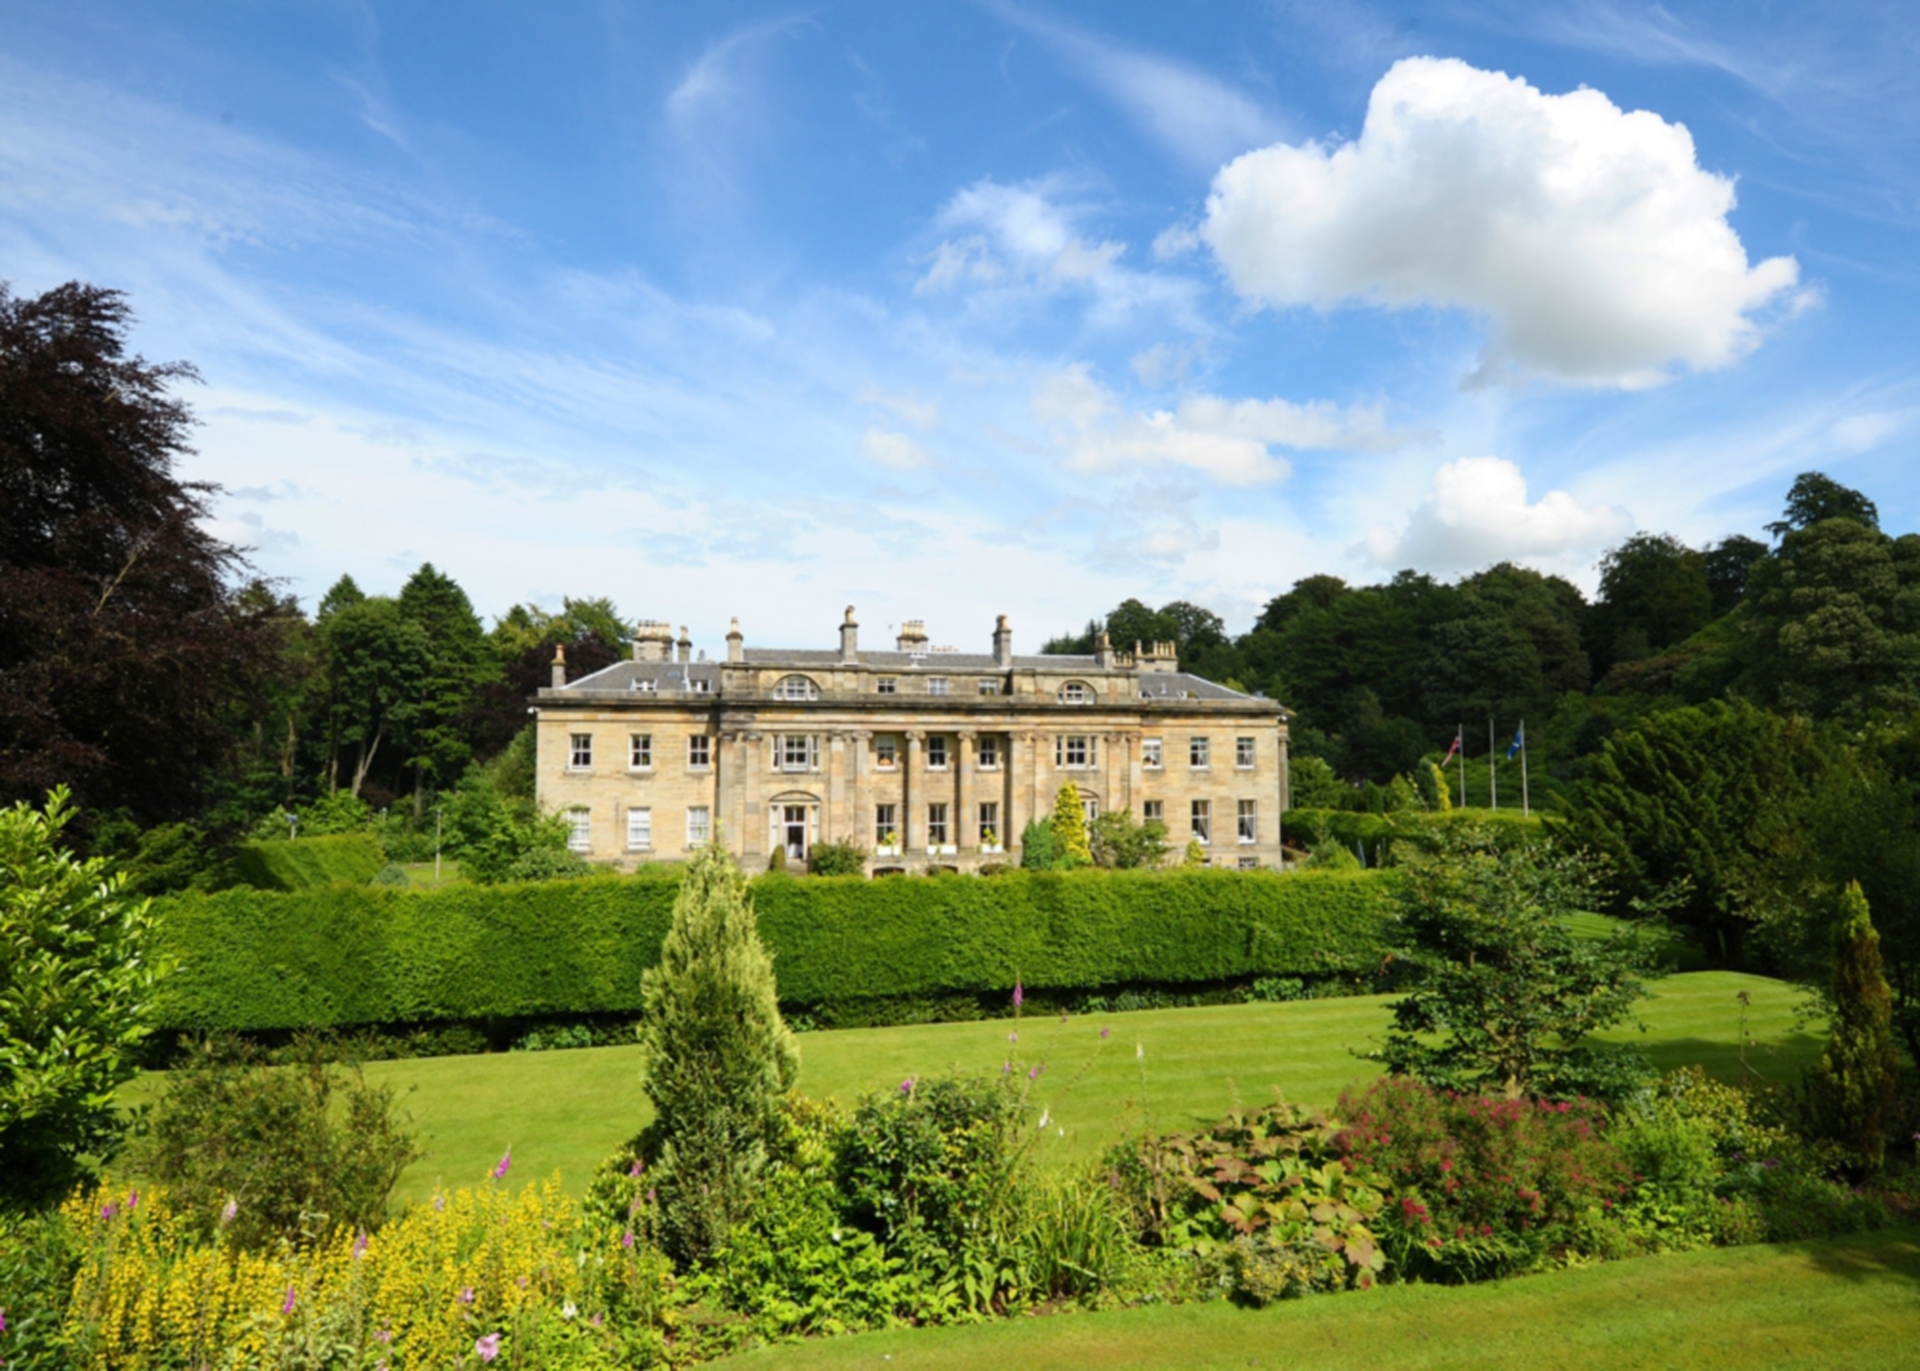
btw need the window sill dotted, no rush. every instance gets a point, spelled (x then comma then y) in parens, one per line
(886, 852)
(992, 848)
(941, 849)
(579, 771)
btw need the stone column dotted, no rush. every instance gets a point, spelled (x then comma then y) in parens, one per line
(1113, 766)
(833, 823)
(858, 764)
(1013, 819)
(962, 826)
(912, 773)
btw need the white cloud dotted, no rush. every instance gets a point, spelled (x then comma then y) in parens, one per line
(895, 451)
(909, 409)
(1026, 238)
(1590, 237)
(1230, 441)
(1477, 514)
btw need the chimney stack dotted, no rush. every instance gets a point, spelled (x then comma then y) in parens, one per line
(1103, 651)
(913, 636)
(685, 645)
(652, 641)
(559, 667)
(1002, 643)
(736, 645)
(849, 638)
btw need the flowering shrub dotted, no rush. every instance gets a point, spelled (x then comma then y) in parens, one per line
(469, 1277)
(1482, 1185)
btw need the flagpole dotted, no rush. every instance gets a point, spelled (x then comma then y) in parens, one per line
(1460, 745)
(1525, 810)
(1493, 778)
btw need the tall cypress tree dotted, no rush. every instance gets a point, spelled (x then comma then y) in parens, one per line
(718, 1056)
(1854, 1083)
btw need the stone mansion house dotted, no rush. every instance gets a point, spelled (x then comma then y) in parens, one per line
(925, 757)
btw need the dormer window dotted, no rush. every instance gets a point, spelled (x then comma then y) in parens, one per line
(1075, 693)
(796, 688)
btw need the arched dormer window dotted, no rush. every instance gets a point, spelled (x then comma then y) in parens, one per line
(1076, 693)
(796, 688)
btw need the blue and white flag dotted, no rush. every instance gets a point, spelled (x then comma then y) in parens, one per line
(1519, 742)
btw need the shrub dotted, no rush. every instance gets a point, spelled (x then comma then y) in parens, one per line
(718, 1057)
(269, 1152)
(932, 1169)
(308, 863)
(1482, 1185)
(1117, 841)
(529, 1272)
(837, 859)
(1070, 828)
(1267, 1198)
(76, 986)
(1387, 836)
(39, 1258)
(251, 960)
(1039, 847)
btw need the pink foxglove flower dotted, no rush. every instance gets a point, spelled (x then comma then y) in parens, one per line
(230, 1212)
(286, 1305)
(466, 1295)
(1019, 994)
(487, 1348)
(626, 1239)
(360, 1244)
(500, 1167)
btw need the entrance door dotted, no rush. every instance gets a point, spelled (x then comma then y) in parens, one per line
(794, 823)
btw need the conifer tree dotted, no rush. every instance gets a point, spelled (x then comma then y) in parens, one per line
(1854, 1085)
(1070, 827)
(718, 1056)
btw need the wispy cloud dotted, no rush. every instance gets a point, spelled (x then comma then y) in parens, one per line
(1199, 117)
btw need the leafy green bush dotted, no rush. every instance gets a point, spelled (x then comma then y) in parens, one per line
(307, 863)
(270, 1152)
(39, 1257)
(251, 960)
(76, 985)
(932, 1170)
(1268, 1198)
(837, 859)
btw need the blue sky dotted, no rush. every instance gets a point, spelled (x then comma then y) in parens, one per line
(950, 310)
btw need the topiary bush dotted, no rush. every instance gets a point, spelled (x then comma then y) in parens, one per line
(308, 863)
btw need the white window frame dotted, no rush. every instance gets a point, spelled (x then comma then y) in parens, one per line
(702, 686)
(1245, 753)
(987, 755)
(886, 820)
(988, 686)
(1066, 744)
(796, 687)
(1246, 821)
(939, 685)
(639, 752)
(640, 829)
(1153, 754)
(1199, 754)
(699, 752)
(1153, 811)
(699, 826)
(579, 829)
(1200, 822)
(886, 754)
(1076, 693)
(939, 830)
(886, 685)
(1090, 808)
(1249, 863)
(579, 752)
(937, 753)
(797, 752)
(988, 818)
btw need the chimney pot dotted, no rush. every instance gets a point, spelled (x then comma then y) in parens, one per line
(559, 666)
(849, 638)
(736, 645)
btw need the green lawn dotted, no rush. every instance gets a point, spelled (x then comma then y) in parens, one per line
(564, 1111)
(1852, 1302)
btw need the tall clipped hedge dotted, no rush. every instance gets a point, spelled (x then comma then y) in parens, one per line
(251, 959)
(1379, 833)
(308, 863)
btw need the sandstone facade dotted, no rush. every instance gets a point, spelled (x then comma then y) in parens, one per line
(922, 756)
